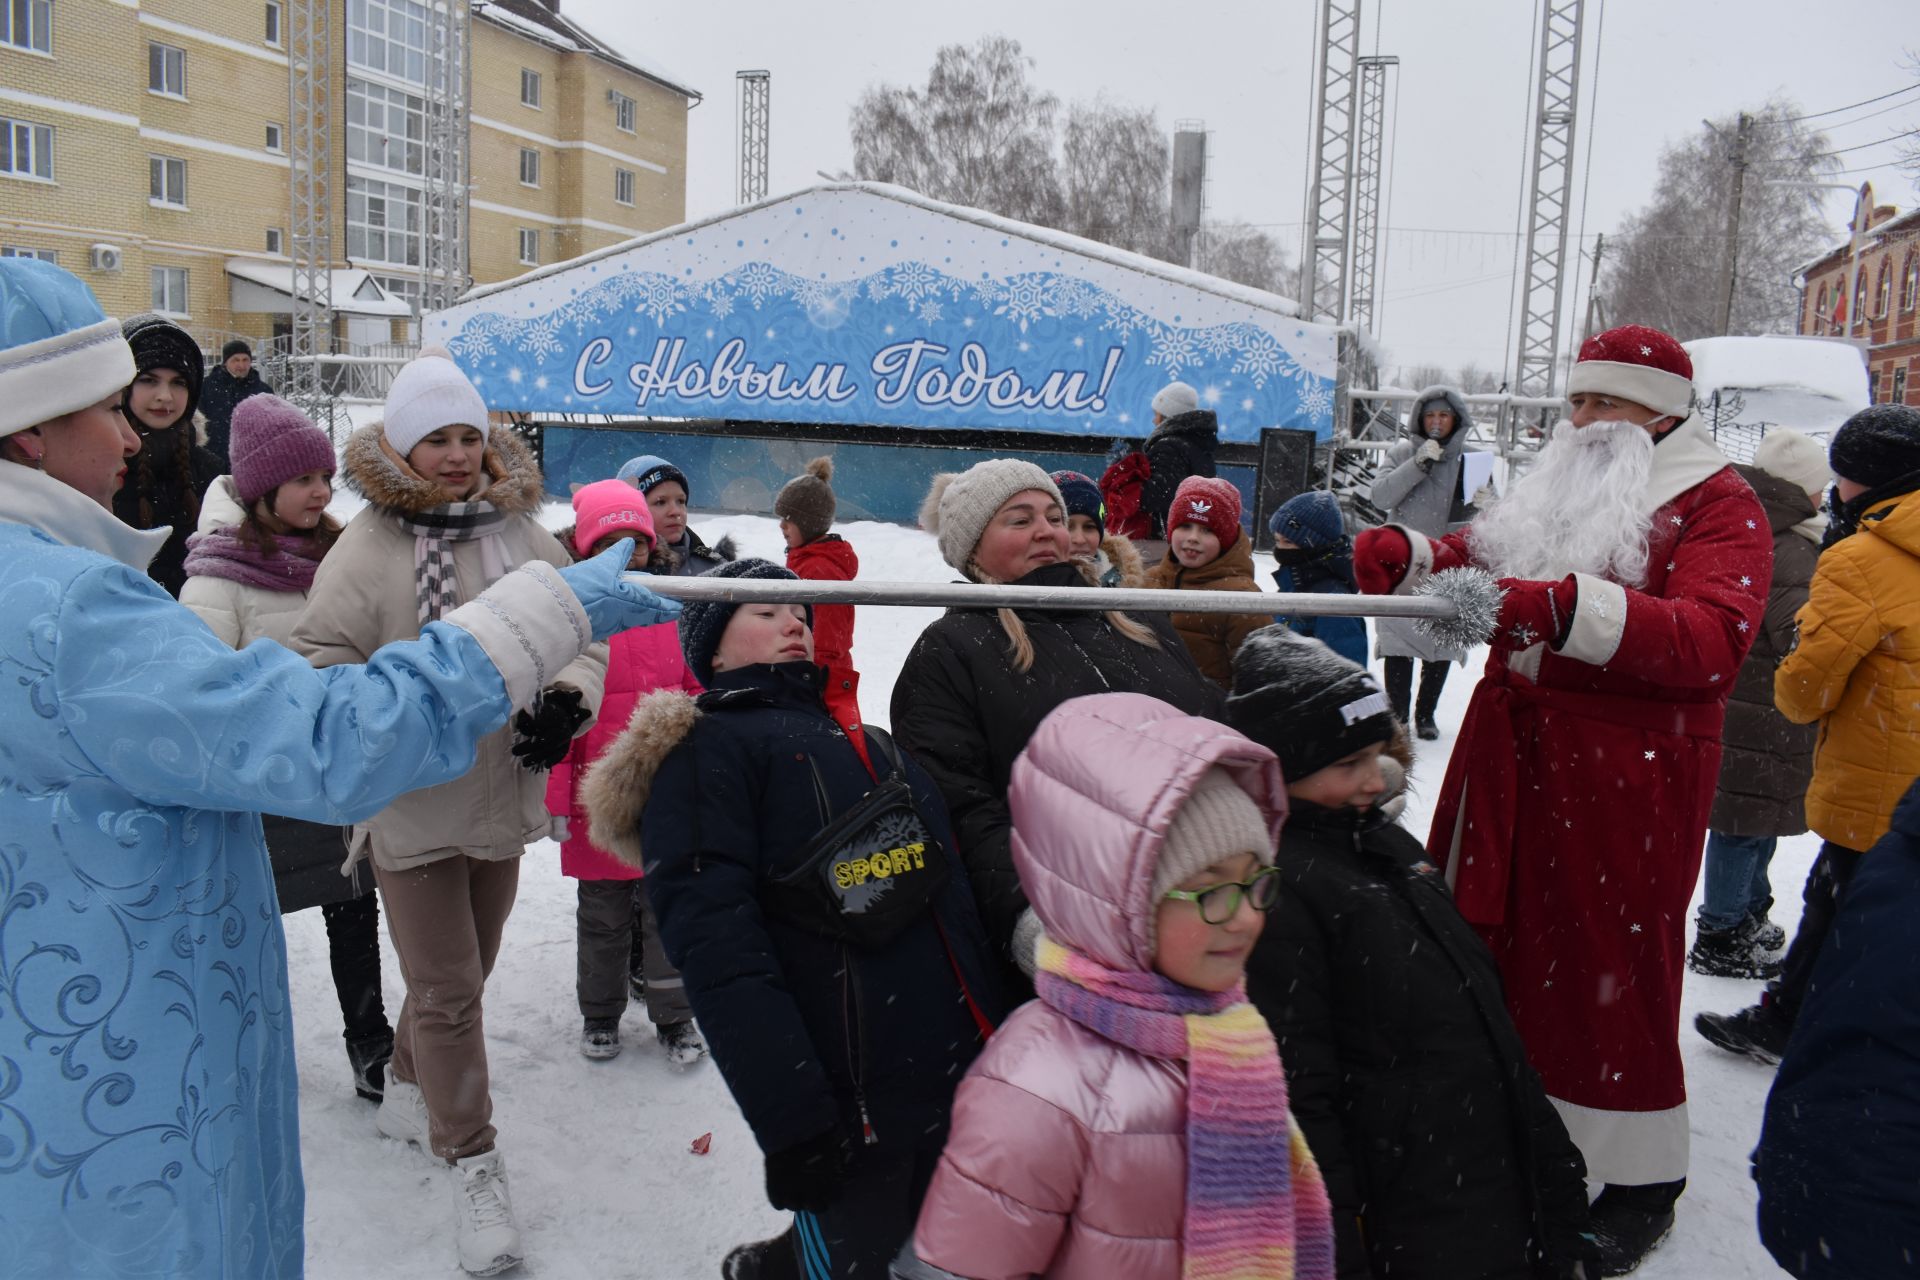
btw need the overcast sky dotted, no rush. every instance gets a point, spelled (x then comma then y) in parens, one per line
(1245, 67)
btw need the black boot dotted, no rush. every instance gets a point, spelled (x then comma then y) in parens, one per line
(1630, 1222)
(763, 1260)
(1731, 953)
(1433, 678)
(368, 1056)
(1399, 686)
(1755, 1032)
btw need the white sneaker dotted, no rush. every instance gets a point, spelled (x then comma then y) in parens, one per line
(489, 1239)
(403, 1113)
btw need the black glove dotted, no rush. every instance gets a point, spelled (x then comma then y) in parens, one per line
(807, 1177)
(543, 732)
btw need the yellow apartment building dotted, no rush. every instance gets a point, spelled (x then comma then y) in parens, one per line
(144, 146)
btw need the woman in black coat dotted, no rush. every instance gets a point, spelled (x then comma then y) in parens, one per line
(168, 477)
(978, 682)
(1441, 1154)
(843, 1056)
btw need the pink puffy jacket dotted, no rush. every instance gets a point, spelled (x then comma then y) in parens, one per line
(1068, 1154)
(638, 662)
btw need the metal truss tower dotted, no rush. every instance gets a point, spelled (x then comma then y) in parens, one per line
(752, 89)
(310, 121)
(1369, 165)
(443, 204)
(1555, 110)
(1323, 256)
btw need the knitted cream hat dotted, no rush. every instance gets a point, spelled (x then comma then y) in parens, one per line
(430, 393)
(958, 506)
(1217, 821)
(1798, 459)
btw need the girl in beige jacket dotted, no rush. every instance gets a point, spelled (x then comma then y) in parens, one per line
(451, 507)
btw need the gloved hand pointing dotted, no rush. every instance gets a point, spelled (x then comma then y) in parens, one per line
(614, 604)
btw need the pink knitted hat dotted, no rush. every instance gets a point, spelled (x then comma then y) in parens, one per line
(1210, 501)
(271, 443)
(609, 506)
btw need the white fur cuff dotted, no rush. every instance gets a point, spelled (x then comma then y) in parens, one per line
(530, 624)
(1599, 621)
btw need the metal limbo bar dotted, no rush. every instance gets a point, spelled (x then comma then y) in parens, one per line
(968, 595)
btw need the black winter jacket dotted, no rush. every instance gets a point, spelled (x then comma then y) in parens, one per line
(1766, 760)
(154, 474)
(220, 395)
(1838, 1197)
(804, 1030)
(1441, 1153)
(965, 713)
(1179, 447)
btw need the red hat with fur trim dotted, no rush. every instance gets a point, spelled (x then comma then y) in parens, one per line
(1636, 363)
(1210, 501)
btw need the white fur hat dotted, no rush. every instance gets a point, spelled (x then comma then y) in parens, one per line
(1799, 460)
(430, 393)
(1175, 399)
(958, 506)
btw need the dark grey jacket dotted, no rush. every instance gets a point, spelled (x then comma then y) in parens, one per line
(1766, 760)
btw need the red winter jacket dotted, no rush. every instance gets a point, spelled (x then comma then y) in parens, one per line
(831, 559)
(1122, 487)
(639, 661)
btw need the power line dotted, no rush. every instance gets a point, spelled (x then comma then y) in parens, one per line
(1834, 111)
(1911, 133)
(1871, 115)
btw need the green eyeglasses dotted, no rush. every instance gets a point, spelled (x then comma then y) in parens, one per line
(1219, 903)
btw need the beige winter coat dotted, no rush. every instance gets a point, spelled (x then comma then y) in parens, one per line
(364, 597)
(238, 613)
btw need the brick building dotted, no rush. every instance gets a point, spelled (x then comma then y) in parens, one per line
(1884, 311)
(143, 146)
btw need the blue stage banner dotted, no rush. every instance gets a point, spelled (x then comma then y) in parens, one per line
(867, 304)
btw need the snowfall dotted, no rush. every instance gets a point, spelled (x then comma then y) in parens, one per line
(604, 1176)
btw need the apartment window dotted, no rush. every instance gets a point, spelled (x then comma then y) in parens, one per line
(273, 23)
(405, 288)
(276, 240)
(27, 24)
(276, 138)
(383, 221)
(167, 181)
(623, 186)
(529, 167)
(25, 251)
(1910, 283)
(1883, 290)
(166, 70)
(387, 127)
(1899, 395)
(170, 290)
(529, 247)
(529, 88)
(26, 149)
(623, 113)
(388, 36)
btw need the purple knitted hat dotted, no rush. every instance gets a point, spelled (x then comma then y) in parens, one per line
(271, 443)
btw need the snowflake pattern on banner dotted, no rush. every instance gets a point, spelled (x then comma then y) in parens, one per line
(1060, 324)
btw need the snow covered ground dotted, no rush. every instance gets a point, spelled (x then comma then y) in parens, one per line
(602, 1173)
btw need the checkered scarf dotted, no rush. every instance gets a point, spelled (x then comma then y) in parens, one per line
(434, 531)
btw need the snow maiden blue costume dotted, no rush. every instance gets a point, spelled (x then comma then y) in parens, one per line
(148, 1105)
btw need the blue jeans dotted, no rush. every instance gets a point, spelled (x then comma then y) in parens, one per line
(1736, 875)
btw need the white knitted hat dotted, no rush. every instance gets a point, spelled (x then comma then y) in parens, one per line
(958, 506)
(1175, 399)
(1799, 460)
(1217, 820)
(428, 394)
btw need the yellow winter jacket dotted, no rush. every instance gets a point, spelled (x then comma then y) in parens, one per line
(1857, 671)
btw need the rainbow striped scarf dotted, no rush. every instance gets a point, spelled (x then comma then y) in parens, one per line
(1256, 1208)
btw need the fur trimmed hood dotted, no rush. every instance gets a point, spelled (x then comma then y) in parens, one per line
(1120, 554)
(617, 785)
(371, 467)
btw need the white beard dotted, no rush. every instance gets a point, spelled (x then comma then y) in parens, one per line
(1581, 508)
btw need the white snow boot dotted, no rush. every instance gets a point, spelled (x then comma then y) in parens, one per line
(403, 1113)
(488, 1237)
